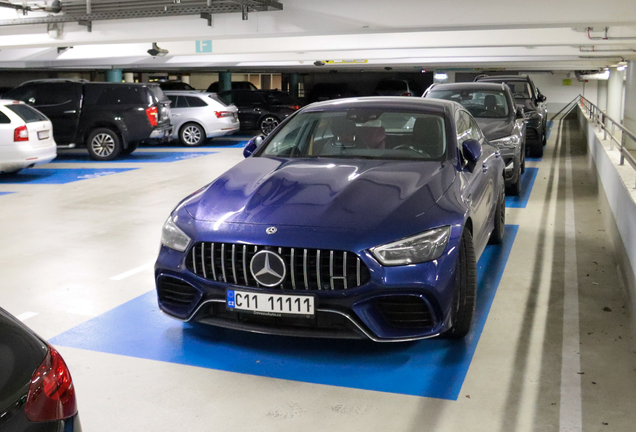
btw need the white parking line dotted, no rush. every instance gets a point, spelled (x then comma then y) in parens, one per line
(133, 271)
(25, 316)
(571, 416)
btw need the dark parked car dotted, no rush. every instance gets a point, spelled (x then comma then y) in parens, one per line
(236, 85)
(108, 118)
(327, 91)
(356, 218)
(36, 389)
(527, 96)
(396, 87)
(500, 120)
(175, 85)
(261, 109)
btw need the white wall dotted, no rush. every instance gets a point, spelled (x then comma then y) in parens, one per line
(558, 94)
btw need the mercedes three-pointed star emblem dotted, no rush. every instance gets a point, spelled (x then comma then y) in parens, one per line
(271, 230)
(268, 268)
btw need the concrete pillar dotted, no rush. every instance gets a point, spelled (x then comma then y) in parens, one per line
(602, 95)
(615, 94)
(129, 77)
(293, 84)
(185, 79)
(114, 75)
(225, 81)
(266, 82)
(630, 102)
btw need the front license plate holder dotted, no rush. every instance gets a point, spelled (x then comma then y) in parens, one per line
(270, 304)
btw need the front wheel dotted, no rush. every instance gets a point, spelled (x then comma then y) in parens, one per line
(268, 124)
(191, 135)
(497, 234)
(104, 144)
(465, 289)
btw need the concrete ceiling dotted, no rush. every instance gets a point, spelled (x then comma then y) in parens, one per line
(349, 35)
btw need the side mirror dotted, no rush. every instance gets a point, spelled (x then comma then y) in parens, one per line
(252, 145)
(520, 113)
(471, 150)
(542, 98)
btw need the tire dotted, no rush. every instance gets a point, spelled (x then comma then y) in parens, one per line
(465, 289)
(523, 159)
(191, 135)
(544, 136)
(268, 124)
(536, 151)
(103, 144)
(12, 172)
(132, 146)
(497, 235)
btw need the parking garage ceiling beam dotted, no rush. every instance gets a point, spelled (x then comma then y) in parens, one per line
(101, 10)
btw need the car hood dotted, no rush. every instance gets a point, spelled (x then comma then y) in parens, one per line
(495, 128)
(334, 193)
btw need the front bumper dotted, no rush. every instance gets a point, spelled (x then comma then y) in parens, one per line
(398, 303)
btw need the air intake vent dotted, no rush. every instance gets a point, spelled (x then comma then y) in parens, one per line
(407, 312)
(175, 292)
(306, 269)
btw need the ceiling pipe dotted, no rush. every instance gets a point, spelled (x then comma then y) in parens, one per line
(593, 49)
(606, 37)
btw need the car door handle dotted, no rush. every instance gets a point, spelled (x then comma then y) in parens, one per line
(70, 112)
(175, 115)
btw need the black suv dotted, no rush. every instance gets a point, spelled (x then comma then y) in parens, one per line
(262, 109)
(108, 118)
(528, 96)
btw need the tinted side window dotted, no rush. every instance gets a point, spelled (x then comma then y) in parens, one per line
(173, 101)
(24, 94)
(195, 102)
(179, 102)
(121, 95)
(26, 113)
(54, 93)
(4, 119)
(248, 98)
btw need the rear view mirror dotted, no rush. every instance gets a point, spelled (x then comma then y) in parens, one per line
(471, 150)
(252, 145)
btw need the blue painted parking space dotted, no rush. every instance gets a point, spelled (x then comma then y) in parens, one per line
(527, 182)
(136, 157)
(59, 176)
(5, 193)
(434, 368)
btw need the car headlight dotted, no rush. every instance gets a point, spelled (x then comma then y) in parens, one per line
(509, 141)
(417, 249)
(173, 237)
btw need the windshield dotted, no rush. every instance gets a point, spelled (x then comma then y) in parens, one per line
(368, 134)
(520, 90)
(480, 103)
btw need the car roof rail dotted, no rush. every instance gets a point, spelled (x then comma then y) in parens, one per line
(54, 80)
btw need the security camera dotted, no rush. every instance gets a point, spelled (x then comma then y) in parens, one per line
(155, 51)
(55, 7)
(319, 63)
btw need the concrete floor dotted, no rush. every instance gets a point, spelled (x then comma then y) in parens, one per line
(72, 252)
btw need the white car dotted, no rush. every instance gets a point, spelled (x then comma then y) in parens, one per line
(26, 137)
(196, 116)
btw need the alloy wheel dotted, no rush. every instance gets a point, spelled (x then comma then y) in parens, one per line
(103, 145)
(191, 135)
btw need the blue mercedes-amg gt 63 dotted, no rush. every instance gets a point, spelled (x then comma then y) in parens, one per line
(355, 218)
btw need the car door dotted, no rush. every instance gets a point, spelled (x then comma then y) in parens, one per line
(61, 103)
(178, 107)
(479, 185)
(251, 106)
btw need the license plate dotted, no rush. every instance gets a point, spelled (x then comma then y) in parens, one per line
(270, 304)
(43, 135)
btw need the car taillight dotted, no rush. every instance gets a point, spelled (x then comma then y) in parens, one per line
(20, 134)
(407, 94)
(51, 393)
(295, 107)
(153, 115)
(220, 114)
